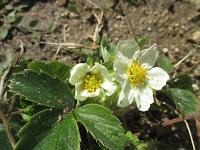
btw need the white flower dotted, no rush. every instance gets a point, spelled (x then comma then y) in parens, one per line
(90, 81)
(134, 71)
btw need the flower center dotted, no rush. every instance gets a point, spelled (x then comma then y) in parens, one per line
(137, 74)
(91, 82)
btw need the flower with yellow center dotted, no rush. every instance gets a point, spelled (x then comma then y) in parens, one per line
(135, 72)
(90, 81)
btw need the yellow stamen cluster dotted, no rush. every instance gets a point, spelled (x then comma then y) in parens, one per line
(91, 82)
(137, 74)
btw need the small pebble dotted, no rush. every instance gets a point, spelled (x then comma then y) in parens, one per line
(149, 29)
(195, 87)
(176, 50)
(165, 50)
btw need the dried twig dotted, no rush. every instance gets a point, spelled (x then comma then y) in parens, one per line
(99, 26)
(4, 81)
(2, 84)
(190, 134)
(184, 58)
(197, 122)
(70, 45)
(176, 120)
(128, 20)
(16, 112)
(64, 32)
(92, 3)
(8, 131)
(60, 46)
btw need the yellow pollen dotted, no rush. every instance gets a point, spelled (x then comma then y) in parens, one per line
(137, 74)
(91, 82)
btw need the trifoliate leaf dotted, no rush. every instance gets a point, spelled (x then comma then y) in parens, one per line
(54, 68)
(65, 136)
(42, 89)
(36, 129)
(102, 125)
(185, 101)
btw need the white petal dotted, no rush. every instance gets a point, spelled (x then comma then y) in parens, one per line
(144, 98)
(157, 78)
(86, 93)
(127, 48)
(78, 90)
(78, 72)
(149, 56)
(126, 95)
(109, 87)
(120, 66)
(100, 70)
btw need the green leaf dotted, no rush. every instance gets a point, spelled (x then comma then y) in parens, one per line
(42, 89)
(4, 32)
(36, 129)
(11, 17)
(185, 101)
(164, 63)
(103, 126)
(54, 68)
(65, 136)
(139, 145)
(26, 117)
(182, 81)
(4, 142)
(33, 23)
(142, 41)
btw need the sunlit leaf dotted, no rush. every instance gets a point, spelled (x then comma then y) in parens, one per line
(185, 101)
(11, 17)
(42, 89)
(134, 140)
(54, 68)
(64, 136)
(102, 125)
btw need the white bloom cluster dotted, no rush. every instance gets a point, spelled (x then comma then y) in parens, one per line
(133, 70)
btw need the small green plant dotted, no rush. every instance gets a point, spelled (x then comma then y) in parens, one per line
(58, 101)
